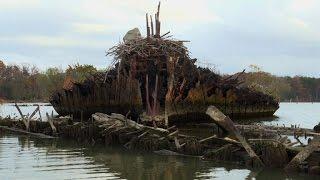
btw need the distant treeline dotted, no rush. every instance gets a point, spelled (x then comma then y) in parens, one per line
(28, 83)
(295, 89)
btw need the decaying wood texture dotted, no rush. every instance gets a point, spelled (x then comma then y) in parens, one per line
(50, 121)
(100, 117)
(40, 117)
(39, 135)
(163, 63)
(294, 164)
(226, 123)
(277, 130)
(26, 118)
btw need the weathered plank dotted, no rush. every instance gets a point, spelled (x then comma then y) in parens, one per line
(293, 165)
(227, 124)
(39, 135)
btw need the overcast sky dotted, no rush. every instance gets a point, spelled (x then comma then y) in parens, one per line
(283, 37)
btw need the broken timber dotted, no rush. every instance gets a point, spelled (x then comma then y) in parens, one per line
(227, 124)
(294, 164)
(16, 130)
(119, 129)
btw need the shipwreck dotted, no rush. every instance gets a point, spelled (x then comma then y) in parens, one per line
(151, 89)
(154, 77)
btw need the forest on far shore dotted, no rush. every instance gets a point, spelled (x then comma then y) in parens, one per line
(28, 83)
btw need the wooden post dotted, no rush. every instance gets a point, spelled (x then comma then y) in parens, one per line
(50, 120)
(170, 83)
(158, 21)
(81, 115)
(151, 22)
(149, 110)
(19, 110)
(226, 123)
(33, 113)
(147, 25)
(25, 120)
(40, 117)
(176, 142)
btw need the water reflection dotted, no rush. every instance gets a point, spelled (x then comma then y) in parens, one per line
(23, 157)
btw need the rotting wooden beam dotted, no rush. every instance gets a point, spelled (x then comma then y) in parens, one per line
(293, 165)
(176, 142)
(34, 113)
(151, 22)
(172, 127)
(40, 117)
(226, 123)
(19, 110)
(105, 118)
(50, 121)
(25, 119)
(278, 130)
(143, 134)
(147, 25)
(208, 138)
(174, 133)
(39, 135)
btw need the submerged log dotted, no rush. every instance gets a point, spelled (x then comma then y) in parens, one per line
(39, 135)
(222, 154)
(227, 124)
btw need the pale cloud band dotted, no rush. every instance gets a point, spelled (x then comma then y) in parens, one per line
(231, 33)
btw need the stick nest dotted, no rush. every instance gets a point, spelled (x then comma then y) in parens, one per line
(149, 47)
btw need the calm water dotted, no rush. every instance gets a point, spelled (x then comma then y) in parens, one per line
(8, 109)
(24, 157)
(305, 115)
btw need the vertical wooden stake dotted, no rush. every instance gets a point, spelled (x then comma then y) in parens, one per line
(147, 25)
(50, 121)
(40, 117)
(81, 114)
(151, 22)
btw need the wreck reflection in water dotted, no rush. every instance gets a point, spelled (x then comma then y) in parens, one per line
(23, 157)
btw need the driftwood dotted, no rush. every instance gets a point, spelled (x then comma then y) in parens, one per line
(208, 138)
(278, 130)
(168, 153)
(50, 121)
(40, 117)
(26, 118)
(176, 142)
(223, 153)
(227, 124)
(226, 140)
(39, 135)
(100, 117)
(303, 155)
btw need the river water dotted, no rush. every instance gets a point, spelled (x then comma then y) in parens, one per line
(9, 109)
(23, 157)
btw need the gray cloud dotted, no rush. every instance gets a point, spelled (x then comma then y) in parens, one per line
(281, 37)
